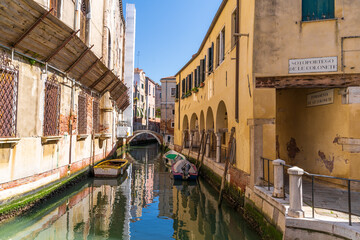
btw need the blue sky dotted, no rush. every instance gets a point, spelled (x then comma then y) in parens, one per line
(169, 32)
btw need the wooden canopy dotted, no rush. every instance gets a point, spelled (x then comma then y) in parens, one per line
(32, 30)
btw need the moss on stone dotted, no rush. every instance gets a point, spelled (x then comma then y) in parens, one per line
(256, 218)
(24, 203)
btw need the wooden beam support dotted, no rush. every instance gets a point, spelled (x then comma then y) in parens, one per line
(61, 46)
(100, 79)
(89, 69)
(79, 59)
(33, 26)
(111, 82)
(113, 88)
(309, 81)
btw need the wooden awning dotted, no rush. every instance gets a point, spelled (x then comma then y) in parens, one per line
(32, 30)
(309, 81)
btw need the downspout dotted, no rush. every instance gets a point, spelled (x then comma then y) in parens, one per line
(237, 72)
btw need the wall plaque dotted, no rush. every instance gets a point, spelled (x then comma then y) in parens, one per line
(313, 65)
(320, 98)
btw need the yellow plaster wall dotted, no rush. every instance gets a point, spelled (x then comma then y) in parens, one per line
(220, 85)
(315, 130)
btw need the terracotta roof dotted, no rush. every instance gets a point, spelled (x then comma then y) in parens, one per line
(171, 77)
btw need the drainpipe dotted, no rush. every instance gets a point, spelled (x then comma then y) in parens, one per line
(237, 72)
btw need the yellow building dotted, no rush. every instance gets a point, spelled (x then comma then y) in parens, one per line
(285, 75)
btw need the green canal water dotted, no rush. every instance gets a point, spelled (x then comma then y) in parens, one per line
(144, 204)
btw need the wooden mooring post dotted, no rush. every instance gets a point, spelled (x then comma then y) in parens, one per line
(201, 144)
(227, 163)
(204, 149)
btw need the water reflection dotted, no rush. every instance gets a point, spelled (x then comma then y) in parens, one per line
(143, 204)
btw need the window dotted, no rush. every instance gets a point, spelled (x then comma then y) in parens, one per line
(8, 99)
(195, 78)
(172, 124)
(52, 107)
(198, 75)
(202, 70)
(142, 86)
(173, 92)
(173, 111)
(210, 58)
(83, 21)
(82, 114)
(183, 87)
(177, 91)
(234, 27)
(149, 90)
(220, 47)
(317, 9)
(154, 91)
(160, 95)
(55, 4)
(142, 98)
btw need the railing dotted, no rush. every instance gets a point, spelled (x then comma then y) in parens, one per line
(312, 176)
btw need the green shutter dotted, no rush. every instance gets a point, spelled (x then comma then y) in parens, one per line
(317, 9)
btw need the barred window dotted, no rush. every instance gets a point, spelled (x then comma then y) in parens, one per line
(8, 99)
(96, 116)
(82, 114)
(52, 107)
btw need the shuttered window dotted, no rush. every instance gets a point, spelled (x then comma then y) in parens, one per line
(177, 91)
(211, 58)
(198, 75)
(195, 78)
(317, 9)
(192, 83)
(183, 87)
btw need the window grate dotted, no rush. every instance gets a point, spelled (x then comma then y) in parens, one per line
(8, 96)
(96, 116)
(82, 114)
(52, 106)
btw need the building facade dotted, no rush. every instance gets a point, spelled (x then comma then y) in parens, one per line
(288, 89)
(168, 92)
(59, 98)
(139, 96)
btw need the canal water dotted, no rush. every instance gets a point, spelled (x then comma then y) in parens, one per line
(143, 204)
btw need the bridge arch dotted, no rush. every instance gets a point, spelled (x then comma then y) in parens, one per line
(156, 135)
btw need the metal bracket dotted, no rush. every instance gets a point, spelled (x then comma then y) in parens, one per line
(61, 46)
(241, 34)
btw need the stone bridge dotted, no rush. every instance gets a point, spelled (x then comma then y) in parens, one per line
(156, 135)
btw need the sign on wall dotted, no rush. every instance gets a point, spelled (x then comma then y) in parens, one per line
(320, 98)
(313, 65)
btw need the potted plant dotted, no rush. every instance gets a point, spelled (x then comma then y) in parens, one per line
(188, 94)
(195, 90)
(202, 85)
(183, 96)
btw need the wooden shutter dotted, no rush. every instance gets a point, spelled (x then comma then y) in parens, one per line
(198, 75)
(317, 9)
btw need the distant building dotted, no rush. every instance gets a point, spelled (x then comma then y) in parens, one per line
(157, 102)
(139, 96)
(150, 88)
(168, 92)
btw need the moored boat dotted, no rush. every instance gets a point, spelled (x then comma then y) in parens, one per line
(172, 157)
(184, 170)
(110, 168)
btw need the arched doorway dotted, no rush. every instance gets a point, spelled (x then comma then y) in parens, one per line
(222, 130)
(194, 131)
(185, 130)
(211, 146)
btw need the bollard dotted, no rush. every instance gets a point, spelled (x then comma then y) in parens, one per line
(295, 190)
(278, 178)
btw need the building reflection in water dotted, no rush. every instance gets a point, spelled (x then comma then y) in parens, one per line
(143, 204)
